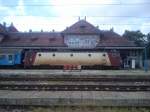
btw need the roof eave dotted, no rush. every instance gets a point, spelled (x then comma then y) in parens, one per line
(120, 47)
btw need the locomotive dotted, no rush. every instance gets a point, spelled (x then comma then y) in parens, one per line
(57, 59)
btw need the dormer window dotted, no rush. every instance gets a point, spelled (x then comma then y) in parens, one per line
(34, 38)
(16, 38)
(52, 39)
(82, 26)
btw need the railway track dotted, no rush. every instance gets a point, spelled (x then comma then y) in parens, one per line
(74, 83)
(74, 86)
(71, 78)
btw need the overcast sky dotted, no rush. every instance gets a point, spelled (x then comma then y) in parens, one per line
(58, 14)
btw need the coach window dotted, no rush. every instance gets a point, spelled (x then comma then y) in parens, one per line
(10, 57)
(2, 57)
(89, 55)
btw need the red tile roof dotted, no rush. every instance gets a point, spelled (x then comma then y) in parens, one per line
(2, 29)
(109, 38)
(12, 28)
(81, 27)
(56, 39)
(33, 39)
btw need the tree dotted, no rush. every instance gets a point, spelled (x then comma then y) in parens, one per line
(136, 36)
(148, 37)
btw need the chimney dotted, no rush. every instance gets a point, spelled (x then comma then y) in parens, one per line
(112, 29)
(85, 18)
(30, 30)
(4, 24)
(11, 24)
(79, 18)
(41, 30)
(97, 27)
(53, 30)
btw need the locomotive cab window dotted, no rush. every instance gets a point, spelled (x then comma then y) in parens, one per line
(114, 54)
(104, 55)
(39, 54)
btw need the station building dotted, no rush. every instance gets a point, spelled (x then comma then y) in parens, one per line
(81, 36)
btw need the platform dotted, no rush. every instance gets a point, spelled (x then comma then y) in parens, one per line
(36, 72)
(75, 98)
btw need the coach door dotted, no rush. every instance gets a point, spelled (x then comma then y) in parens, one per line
(11, 59)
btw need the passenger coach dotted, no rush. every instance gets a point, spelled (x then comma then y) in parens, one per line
(9, 57)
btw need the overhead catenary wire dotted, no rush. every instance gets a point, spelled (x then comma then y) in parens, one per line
(76, 16)
(44, 4)
(118, 3)
(99, 24)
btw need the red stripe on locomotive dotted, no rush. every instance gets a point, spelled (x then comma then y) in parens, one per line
(115, 59)
(29, 58)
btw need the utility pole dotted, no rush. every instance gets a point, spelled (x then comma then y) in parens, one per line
(145, 59)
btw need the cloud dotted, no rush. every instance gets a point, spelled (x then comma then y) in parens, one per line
(145, 27)
(10, 12)
(62, 13)
(65, 8)
(31, 22)
(20, 8)
(13, 10)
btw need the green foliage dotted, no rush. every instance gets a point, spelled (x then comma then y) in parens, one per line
(136, 36)
(148, 37)
(148, 50)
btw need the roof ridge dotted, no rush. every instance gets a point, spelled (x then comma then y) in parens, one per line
(81, 27)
